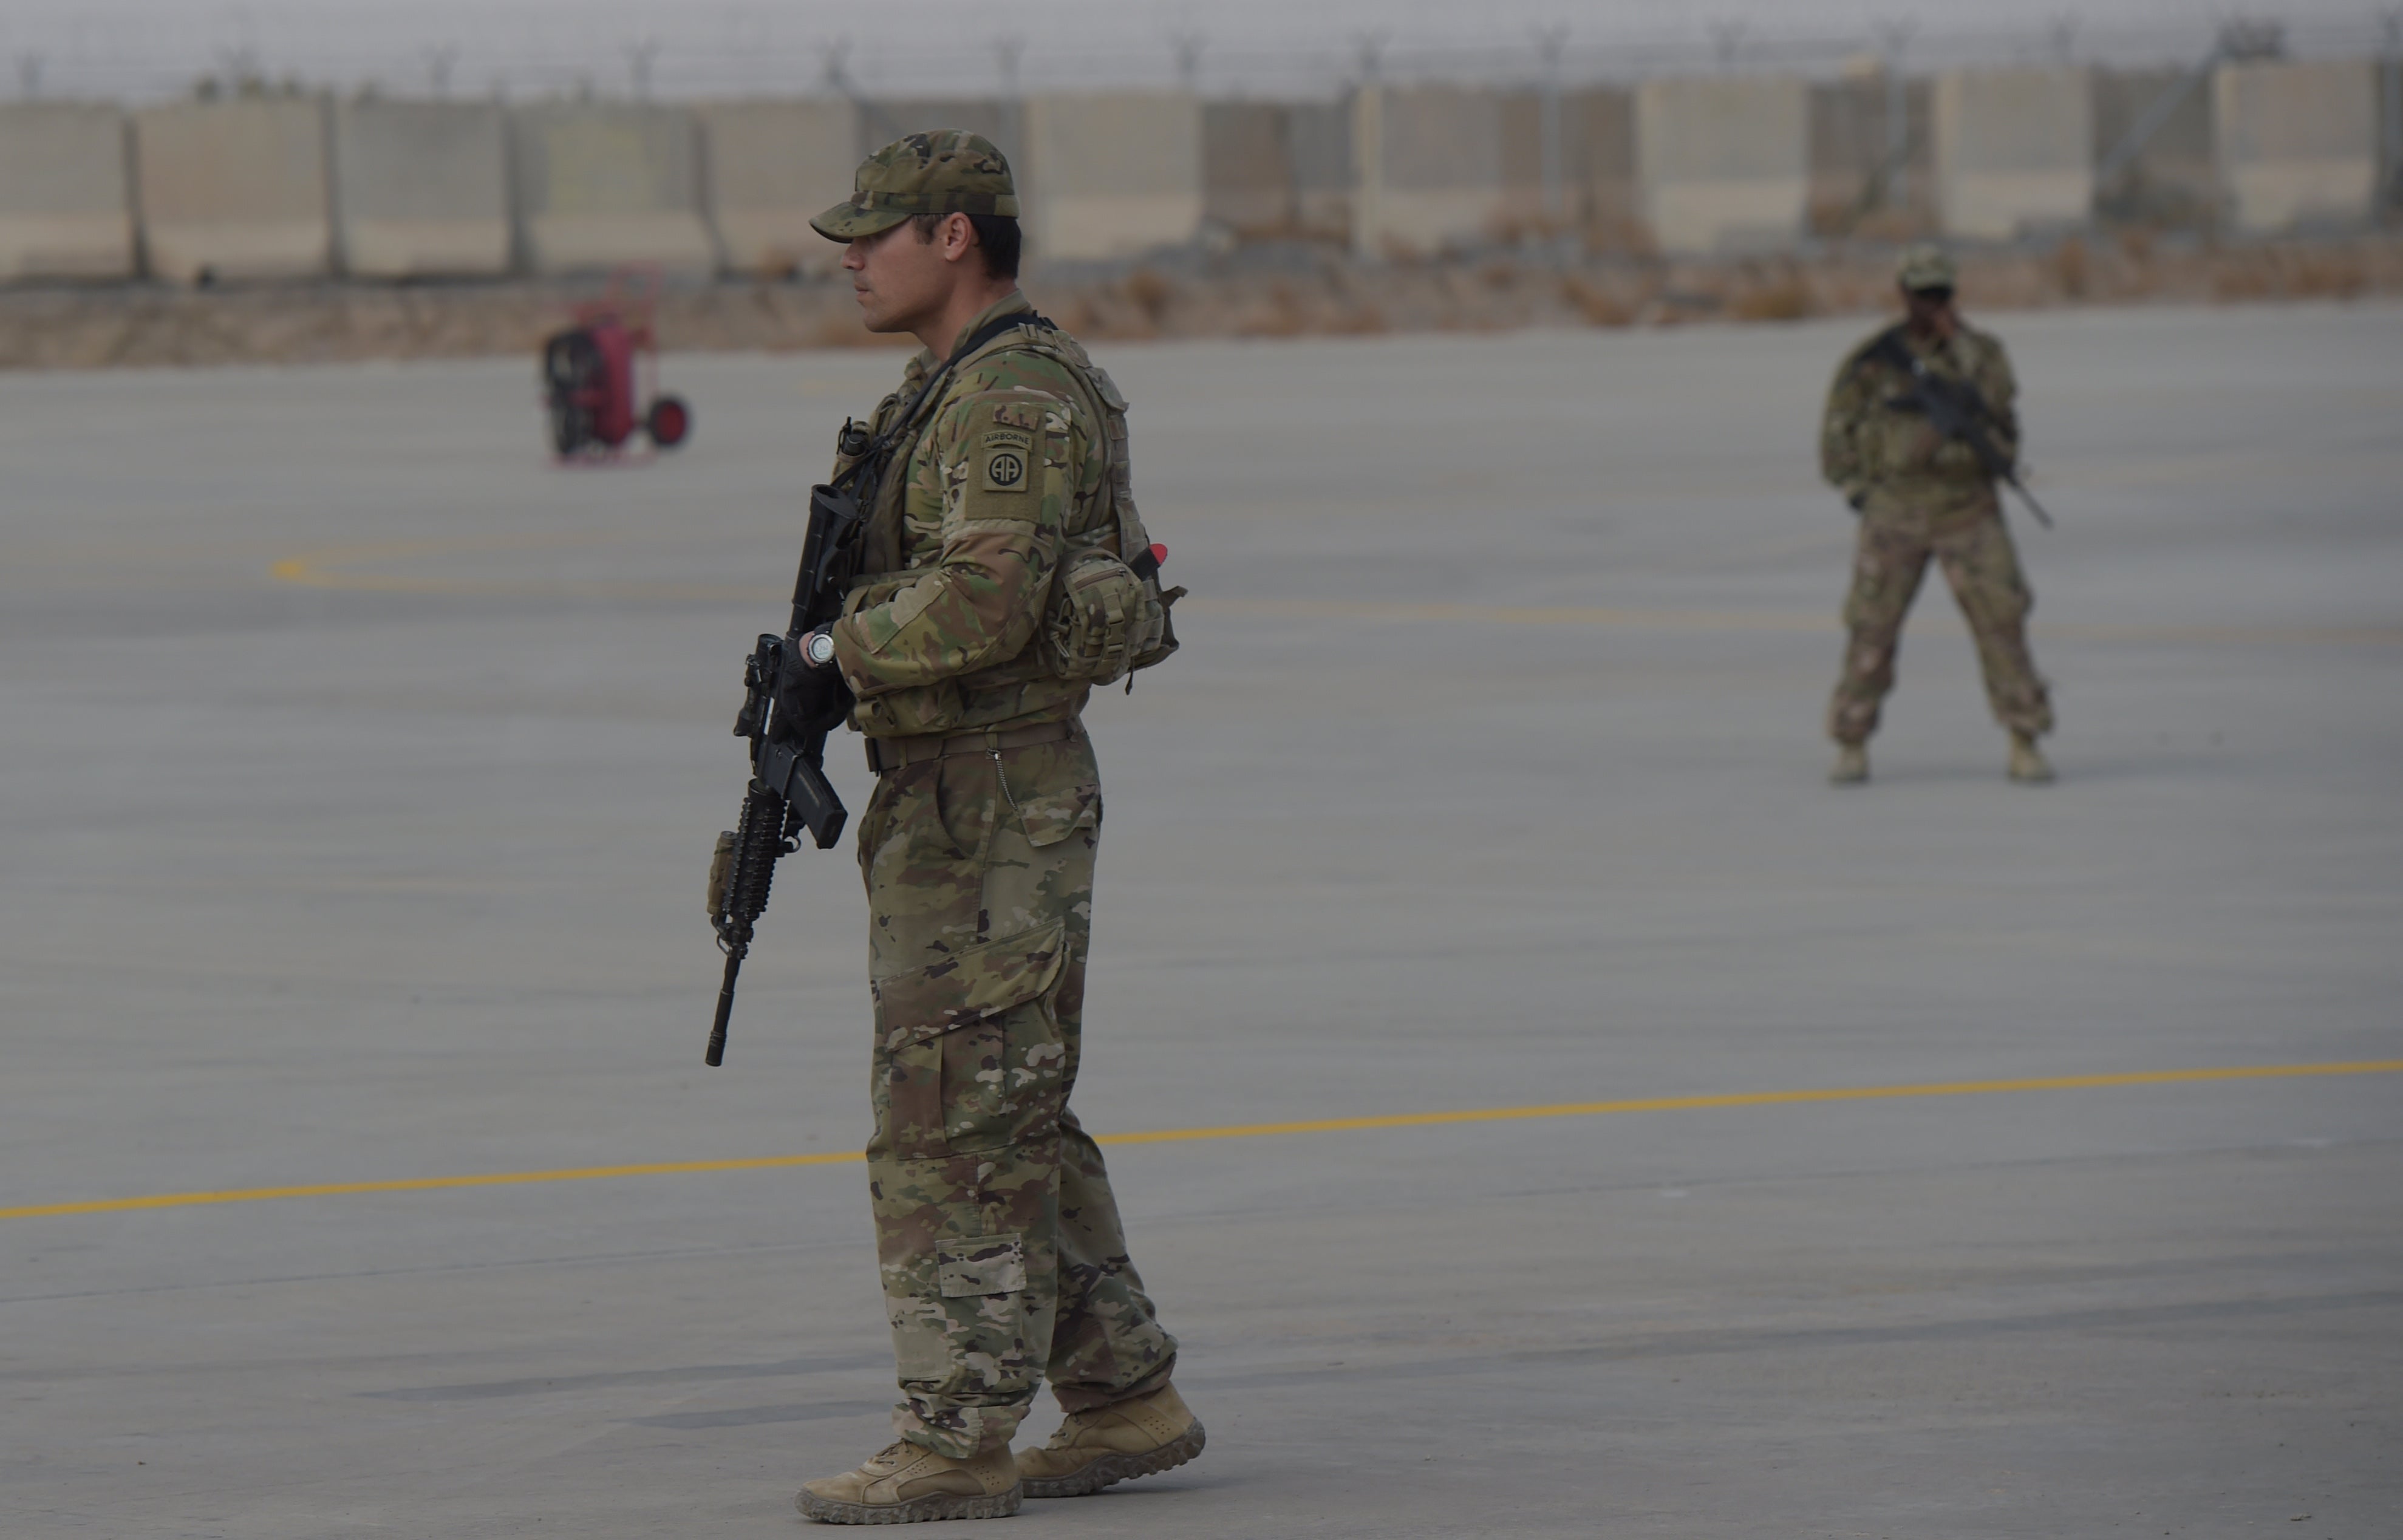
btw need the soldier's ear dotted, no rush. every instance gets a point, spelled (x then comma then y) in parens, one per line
(959, 237)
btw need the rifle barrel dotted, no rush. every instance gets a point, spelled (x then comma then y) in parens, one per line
(2029, 498)
(716, 1054)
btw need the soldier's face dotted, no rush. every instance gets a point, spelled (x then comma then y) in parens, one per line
(1931, 311)
(896, 276)
(902, 279)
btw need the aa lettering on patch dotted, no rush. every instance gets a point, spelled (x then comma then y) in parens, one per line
(1004, 467)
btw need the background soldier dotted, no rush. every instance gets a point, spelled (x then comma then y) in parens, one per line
(1920, 494)
(998, 1239)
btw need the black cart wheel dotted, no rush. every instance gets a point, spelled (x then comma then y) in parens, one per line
(670, 422)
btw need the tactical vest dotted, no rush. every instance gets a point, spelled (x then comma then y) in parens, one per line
(1897, 448)
(1105, 615)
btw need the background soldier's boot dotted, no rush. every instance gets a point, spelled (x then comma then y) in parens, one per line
(905, 1485)
(2028, 765)
(1114, 1443)
(1852, 765)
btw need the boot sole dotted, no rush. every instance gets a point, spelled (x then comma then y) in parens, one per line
(1111, 1469)
(917, 1510)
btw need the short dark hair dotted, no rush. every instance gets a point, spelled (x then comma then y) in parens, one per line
(997, 236)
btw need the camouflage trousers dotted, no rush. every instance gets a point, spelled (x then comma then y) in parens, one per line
(997, 1237)
(1974, 548)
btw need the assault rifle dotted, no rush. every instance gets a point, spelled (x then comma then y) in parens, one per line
(788, 791)
(1954, 409)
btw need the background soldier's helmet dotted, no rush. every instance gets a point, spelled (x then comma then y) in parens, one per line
(949, 171)
(1926, 266)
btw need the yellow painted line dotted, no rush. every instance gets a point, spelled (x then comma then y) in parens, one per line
(1758, 1098)
(427, 1184)
(1254, 1131)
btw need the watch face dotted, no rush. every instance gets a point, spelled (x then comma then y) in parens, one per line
(820, 648)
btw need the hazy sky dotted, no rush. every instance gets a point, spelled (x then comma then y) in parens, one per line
(152, 48)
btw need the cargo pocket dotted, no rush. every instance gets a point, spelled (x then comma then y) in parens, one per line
(1049, 820)
(993, 1264)
(959, 1052)
(1055, 788)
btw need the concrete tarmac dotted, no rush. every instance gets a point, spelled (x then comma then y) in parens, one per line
(361, 771)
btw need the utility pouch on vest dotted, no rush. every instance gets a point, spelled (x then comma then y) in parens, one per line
(1107, 616)
(1105, 622)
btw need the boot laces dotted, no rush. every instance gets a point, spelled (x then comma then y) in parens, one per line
(1065, 1436)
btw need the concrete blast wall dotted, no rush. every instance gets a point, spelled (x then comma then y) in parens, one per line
(2298, 144)
(1858, 181)
(420, 189)
(1111, 175)
(1429, 168)
(1273, 169)
(603, 183)
(1723, 161)
(1524, 202)
(2014, 151)
(2172, 180)
(283, 187)
(2390, 132)
(771, 166)
(233, 189)
(64, 209)
(1322, 168)
(1247, 180)
(1596, 167)
(1602, 133)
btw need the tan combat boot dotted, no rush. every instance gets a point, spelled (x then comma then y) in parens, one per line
(2028, 767)
(904, 1484)
(1852, 765)
(1115, 1443)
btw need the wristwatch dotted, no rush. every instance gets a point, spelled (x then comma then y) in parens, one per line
(818, 649)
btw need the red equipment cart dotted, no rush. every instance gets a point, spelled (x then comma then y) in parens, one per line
(601, 376)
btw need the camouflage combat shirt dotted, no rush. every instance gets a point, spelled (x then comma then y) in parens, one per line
(966, 539)
(1876, 455)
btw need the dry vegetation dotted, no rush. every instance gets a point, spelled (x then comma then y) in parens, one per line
(1321, 294)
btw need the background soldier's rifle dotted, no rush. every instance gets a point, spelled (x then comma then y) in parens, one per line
(789, 791)
(1955, 411)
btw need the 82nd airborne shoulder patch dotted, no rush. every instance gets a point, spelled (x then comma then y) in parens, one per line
(1005, 459)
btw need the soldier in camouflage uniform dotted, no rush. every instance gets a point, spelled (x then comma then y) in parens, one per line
(997, 1236)
(1920, 495)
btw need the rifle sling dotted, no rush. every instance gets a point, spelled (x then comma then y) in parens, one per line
(905, 428)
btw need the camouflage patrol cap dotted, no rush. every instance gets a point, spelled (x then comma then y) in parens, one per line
(949, 171)
(1926, 266)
